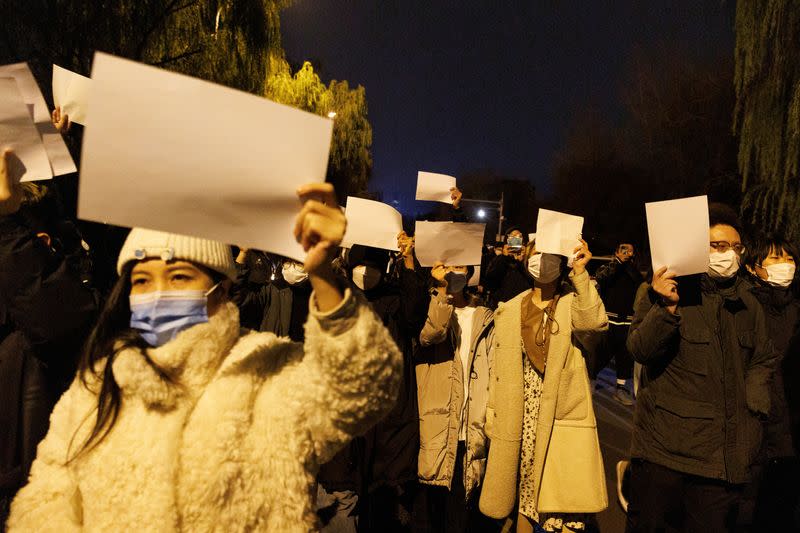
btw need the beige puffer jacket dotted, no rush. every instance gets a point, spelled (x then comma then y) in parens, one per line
(440, 388)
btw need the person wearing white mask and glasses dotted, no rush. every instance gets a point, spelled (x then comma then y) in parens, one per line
(545, 469)
(774, 495)
(180, 420)
(708, 362)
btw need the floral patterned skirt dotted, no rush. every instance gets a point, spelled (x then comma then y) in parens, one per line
(533, 395)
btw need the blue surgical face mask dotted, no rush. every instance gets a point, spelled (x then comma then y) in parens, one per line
(160, 316)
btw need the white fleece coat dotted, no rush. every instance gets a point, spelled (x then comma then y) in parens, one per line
(229, 439)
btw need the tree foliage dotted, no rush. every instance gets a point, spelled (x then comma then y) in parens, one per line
(350, 160)
(767, 115)
(673, 140)
(232, 42)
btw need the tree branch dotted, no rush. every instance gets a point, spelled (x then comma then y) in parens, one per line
(178, 57)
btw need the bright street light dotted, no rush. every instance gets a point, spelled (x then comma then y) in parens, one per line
(481, 213)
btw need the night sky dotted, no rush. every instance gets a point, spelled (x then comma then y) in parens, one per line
(459, 87)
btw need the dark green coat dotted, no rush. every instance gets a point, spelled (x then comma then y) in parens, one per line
(706, 379)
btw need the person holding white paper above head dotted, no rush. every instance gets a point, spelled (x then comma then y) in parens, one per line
(47, 308)
(441, 188)
(25, 114)
(544, 460)
(194, 424)
(379, 470)
(70, 95)
(507, 274)
(271, 293)
(707, 371)
(453, 368)
(618, 281)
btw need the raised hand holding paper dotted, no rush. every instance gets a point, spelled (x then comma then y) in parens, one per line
(434, 187)
(372, 223)
(18, 132)
(678, 231)
(71, 93)
(452, 243)
(558, 233)
(60, 160)
(169, 169)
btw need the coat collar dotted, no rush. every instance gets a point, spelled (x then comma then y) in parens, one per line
(183, 366)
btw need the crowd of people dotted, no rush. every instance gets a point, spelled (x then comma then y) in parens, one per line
(358, 391)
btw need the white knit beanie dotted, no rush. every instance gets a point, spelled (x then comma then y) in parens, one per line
(144, 243)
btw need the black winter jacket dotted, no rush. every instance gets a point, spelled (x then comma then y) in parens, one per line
(505, 278)
(270, 305)
(782, 311)
(46, 314)
(387, 454)
(617, 284)
(707, 374)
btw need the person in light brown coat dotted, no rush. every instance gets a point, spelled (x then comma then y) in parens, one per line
(453, 369)
(544, 463)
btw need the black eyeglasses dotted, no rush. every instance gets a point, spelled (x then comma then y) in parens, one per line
(724, 246)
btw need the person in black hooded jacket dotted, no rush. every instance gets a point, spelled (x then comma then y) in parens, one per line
(772, 499)
(617, 282)
(272, 294)
(46, 312)
(381, 466)
(507, 275)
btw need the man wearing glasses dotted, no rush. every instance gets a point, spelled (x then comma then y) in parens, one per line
(708, 366)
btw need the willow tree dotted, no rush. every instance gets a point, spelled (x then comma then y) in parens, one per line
(767, 116)
(350, 160)
(232, 42)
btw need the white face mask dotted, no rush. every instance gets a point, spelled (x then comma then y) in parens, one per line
(723, 265)
(366, 277)
(545, 268)
(293, 273)
(780, 274)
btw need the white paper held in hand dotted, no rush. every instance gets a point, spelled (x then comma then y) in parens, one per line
(475, 280)
(71, 93)
(18, 132)
(452, 243)
(434, 187)
(558, 233)
(678, 231)
(151, 159)
(372, 223)
(58, 155)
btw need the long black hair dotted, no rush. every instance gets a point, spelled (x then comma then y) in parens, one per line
(110, 337)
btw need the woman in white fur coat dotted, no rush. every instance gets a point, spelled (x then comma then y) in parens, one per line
(180, 421)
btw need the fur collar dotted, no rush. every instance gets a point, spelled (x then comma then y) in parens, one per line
(183, 366)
